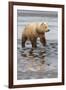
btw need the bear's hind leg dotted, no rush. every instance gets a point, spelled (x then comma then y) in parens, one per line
(23, 41)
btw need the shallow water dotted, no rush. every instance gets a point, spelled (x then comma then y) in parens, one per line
(42, 62)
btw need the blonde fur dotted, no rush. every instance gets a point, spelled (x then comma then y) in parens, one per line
(30, 29)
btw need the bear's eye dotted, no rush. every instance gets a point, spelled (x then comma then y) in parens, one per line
(45, 26)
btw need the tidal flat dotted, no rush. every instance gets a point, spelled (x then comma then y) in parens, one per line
(42, 62)
(38, 63)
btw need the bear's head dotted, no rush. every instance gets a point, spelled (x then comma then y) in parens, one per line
(44, 27)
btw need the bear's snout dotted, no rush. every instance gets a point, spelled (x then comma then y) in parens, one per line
(48, 30)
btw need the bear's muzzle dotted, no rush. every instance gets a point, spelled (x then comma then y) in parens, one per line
(48, 30)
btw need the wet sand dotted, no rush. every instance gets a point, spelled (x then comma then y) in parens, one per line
(42, 62)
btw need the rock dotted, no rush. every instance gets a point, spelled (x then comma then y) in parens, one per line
(48, 64)
(21, 51)
(35, 55)
(23, 48)
(51, 43)
(36, 58)
(42, 61)
(53, 46)
(23, 54)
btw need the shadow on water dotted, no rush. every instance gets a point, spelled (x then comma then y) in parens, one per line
(40, 62)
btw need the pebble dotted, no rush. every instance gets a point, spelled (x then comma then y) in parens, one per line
(23, 54)
(35, 54)
(53, 46)
(48, 64)
(42, 62)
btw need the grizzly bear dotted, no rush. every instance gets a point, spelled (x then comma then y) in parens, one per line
(34, 30)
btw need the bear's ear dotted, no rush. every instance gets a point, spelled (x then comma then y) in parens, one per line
(42, 23)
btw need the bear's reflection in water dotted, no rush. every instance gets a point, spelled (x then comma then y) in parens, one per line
(41, 62)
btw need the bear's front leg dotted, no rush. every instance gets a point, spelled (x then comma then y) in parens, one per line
(23, 41)
(43, 41)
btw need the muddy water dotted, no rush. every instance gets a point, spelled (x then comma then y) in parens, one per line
(41, 62)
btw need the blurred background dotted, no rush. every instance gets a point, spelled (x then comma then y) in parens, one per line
(27, 16)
